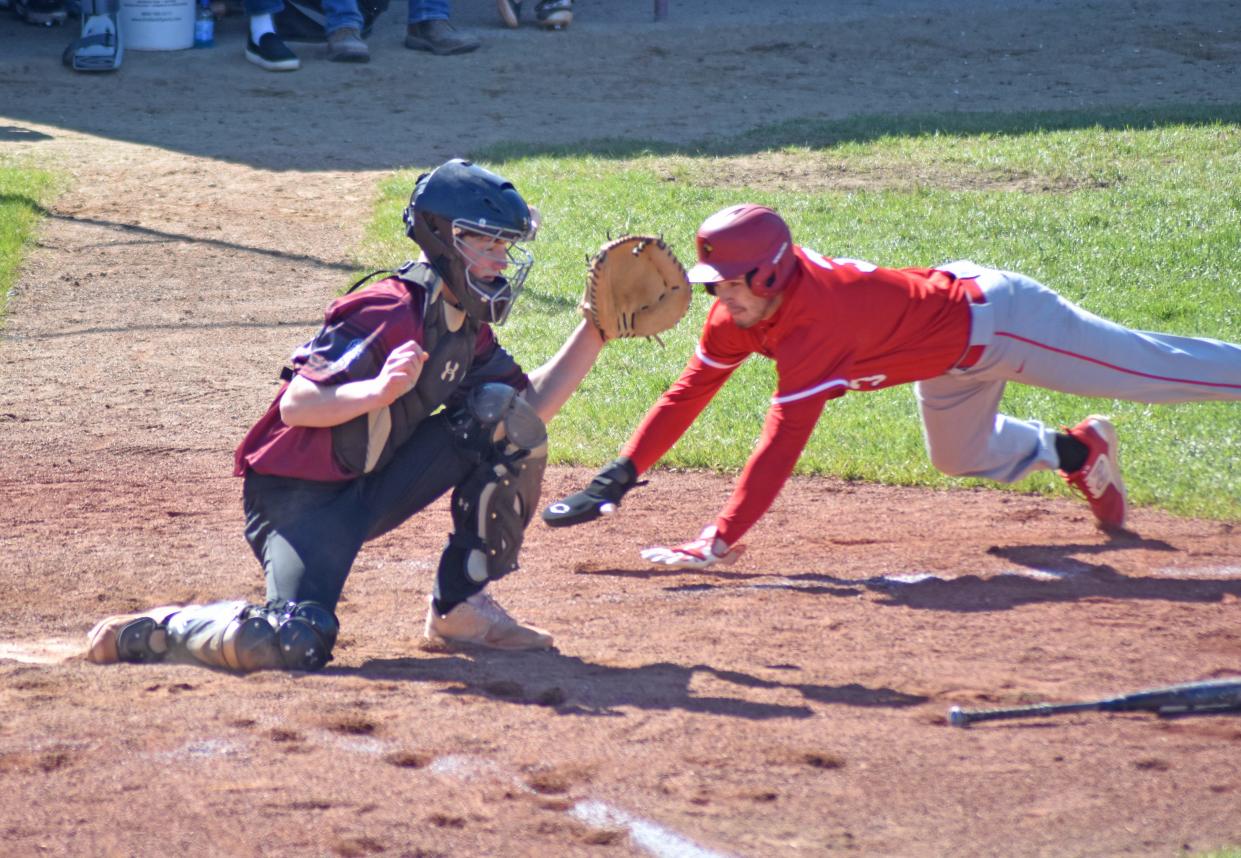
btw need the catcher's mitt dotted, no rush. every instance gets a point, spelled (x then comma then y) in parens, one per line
(635, 287)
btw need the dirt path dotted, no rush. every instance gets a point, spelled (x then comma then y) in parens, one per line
(792, 704)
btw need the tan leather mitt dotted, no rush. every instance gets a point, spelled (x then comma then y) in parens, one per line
(635, 287)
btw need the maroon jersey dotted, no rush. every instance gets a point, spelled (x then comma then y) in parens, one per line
(359, 331)
(843, 325)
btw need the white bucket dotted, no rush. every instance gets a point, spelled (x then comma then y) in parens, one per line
(157, 25)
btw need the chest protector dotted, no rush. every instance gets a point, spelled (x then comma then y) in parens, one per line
(369, 441)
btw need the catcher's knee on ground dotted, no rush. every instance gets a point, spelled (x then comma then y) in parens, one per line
(493, 507)
(243, 637)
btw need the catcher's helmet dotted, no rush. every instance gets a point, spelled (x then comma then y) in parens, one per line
(748, 241)
(460, 197)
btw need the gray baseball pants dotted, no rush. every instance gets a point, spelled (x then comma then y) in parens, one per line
(1033, 336)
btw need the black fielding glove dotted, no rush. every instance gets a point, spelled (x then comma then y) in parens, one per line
(601, 497)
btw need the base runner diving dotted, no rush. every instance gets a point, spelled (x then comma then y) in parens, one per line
(960, 332)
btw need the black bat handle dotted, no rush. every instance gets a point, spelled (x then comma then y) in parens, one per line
(959, 717)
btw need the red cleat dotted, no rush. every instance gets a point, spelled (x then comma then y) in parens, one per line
(1099, 479)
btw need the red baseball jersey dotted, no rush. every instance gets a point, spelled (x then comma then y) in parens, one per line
(843, 325)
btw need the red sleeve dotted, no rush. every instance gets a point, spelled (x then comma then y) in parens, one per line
(673, 413)
(720, 350)
(785, 433)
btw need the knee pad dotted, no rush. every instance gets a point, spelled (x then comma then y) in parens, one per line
(249, 643)
(245, 638)
(496, 414)
(307, 632)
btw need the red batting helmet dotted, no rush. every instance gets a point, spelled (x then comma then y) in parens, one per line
(748, 241)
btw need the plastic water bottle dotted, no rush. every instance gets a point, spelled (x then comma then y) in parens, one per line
(204, 25)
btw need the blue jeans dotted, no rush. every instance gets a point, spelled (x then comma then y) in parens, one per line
(337, 13)
(429, 10)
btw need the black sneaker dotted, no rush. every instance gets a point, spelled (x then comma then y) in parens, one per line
(272, 54)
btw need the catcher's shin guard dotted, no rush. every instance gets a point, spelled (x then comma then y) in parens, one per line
(242, 637)
(493, 507)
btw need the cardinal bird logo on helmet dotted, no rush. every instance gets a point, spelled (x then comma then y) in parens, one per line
(749, 241)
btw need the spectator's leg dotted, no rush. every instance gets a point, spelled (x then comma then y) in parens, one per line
(343, 23)
(429, 29)
(263, 47)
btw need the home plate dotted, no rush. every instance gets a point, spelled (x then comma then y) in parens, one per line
(50, 651)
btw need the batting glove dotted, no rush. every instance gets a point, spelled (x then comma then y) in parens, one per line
(703, 551)
(601, 497)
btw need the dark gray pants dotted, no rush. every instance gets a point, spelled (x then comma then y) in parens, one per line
(307, 533)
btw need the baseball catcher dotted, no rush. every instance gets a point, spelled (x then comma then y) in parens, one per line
(403, 395)
(959, 332)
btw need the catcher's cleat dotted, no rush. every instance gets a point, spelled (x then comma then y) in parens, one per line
(510, 12)
(134, 638)
(554, 14)
(1099, 479)
(480, 620)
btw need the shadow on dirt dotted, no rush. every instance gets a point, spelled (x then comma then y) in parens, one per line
(17, 134)
(827, 133)
(573, 686)
(971, 593)
(132, 234)
(1057, 574)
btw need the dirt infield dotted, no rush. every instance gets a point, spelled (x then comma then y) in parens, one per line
(790, 704)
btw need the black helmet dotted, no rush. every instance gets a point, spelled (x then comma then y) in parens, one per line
(460, 197)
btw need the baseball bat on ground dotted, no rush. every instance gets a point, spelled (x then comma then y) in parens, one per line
(1211, 695)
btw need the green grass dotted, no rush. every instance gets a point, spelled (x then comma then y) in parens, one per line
(23, 194)
(1134, 216)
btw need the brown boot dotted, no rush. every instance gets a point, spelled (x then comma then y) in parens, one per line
(438, 37)
(346, 46)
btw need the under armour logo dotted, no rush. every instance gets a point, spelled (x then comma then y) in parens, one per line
(450, 371)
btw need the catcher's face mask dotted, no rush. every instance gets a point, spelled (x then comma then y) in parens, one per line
(487, 252)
